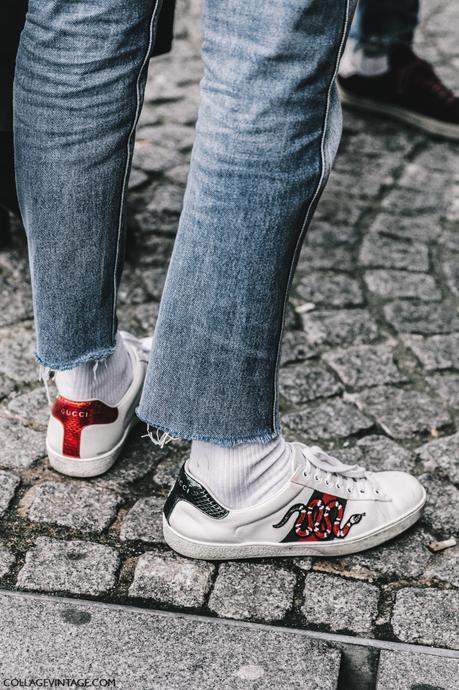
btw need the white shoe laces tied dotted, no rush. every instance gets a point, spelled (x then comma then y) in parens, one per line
(332, 471)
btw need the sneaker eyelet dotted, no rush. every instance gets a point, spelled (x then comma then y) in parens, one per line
(377, 491)
(338, 486)
(316, 478)
(362, 491)
(349, 491)
(327, 483)
(306, 475)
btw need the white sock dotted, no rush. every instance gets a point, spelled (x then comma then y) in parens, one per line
(244, 475)
(107, 380)
(356, 61)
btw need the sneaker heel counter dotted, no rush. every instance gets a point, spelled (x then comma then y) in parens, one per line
(189, 490)
(73, 416)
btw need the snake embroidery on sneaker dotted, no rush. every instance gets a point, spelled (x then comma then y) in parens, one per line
(319, 520)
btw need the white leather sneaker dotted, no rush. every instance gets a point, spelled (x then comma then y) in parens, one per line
(327, 508)
(85, 438)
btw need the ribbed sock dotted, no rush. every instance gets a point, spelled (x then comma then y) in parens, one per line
(357, 60)
(107, 380)
(243, 475)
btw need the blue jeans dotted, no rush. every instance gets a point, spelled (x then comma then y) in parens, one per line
(268, 128)
(379, 24)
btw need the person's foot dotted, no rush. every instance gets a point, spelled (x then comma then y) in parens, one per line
(86, 433)
(327, 508)
(409, 91)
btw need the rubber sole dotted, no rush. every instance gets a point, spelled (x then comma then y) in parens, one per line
(221, 552)
(85, 468)
(421, 122)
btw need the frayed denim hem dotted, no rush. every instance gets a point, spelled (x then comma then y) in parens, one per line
(261, 437)
(95, 356)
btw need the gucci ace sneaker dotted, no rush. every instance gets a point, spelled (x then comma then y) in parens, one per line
(327, 508)
(85, 437)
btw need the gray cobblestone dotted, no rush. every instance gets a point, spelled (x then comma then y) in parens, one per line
(330, 289)
(422, 229)
(306, 382)
(79, 506)
(7, 560)
(441, 456)
(378, 251)
(381, 453)
(405, 557)
(440, 511)
(144, 521)
(426, 319)
(365, 365)
(78, 567)
(6, 386)
(9, 482)
(17, 345)
(444, 566)
(342, 605)
(252, 591)
(342, 327)
(451, 270)
(395, 284)
(296, 348)
(31, 407)
(446, 387)
(330, 419)
(416, 671)
(427, 616)
(435, 352)
(402, 413)
(172, 579)
(323, 258)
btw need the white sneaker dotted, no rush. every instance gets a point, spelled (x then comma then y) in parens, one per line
(327, 508)
(85, 438)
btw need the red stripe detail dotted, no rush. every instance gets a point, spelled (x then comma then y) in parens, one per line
(75, 416)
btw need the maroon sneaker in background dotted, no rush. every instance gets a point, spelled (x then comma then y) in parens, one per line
(409, 91)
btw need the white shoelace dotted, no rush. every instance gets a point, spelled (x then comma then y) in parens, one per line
(332, 471)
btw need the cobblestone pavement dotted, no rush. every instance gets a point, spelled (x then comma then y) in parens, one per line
(370, 364)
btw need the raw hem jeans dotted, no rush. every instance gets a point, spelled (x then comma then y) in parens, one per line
(268, 128)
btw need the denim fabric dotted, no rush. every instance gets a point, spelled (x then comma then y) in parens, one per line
(81, 68)
(381, 23)
(268, 129)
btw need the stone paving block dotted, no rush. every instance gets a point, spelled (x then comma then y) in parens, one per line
(426, 319)
(252, 591)
(20, 446)
(9, 482)
(147, 649)
(402, 412)
(341, 605)
(436, 351)
(334, 418)
(381, 453)
(440, 511)
(342, 327)
(441, 456)
(17, 346)
(327, 288)
(7, 560)
(406, 556)
(323, 234)
(171, 579)
(295, 347)
(398, 284)
(427, 616)
(144, 521)
(444, 566)
(79, 506)
(446, 386)
(423, 228)
(416, 671)
(15, 301)
(365, 365)
(323, 258)
(7, 385)
(451, 270)
(31, 407)
(74, 566)
(306, 382)
(154, 159)
(139, 458)
(384, 252)
(416, 201)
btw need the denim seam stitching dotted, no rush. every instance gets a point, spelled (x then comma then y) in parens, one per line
(275, 420)
(129, 152)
